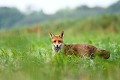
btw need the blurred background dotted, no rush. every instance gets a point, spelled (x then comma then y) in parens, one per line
(25, 45)
(72, 16)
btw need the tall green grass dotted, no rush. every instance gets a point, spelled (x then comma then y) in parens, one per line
(30, 57)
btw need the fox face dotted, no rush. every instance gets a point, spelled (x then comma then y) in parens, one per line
(57, 41)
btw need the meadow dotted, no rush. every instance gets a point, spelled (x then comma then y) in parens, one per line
(27, 55)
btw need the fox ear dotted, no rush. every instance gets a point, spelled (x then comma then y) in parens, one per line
(51, 34)
(62, 34)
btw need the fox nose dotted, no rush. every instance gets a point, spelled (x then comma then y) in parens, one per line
(57, 46)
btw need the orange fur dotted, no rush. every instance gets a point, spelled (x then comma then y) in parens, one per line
(77, 49)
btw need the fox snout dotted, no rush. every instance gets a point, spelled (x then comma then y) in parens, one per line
(57, 45)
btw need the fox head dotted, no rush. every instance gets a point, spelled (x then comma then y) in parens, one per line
(57, 41)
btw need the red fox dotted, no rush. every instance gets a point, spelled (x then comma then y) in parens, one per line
(76, 49)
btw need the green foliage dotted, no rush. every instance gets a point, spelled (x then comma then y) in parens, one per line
(26, 56)
(105, 23)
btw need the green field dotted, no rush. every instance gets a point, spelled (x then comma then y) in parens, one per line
(28, 56)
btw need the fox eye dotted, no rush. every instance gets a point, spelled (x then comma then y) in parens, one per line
(54, 41)
(59, 41)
